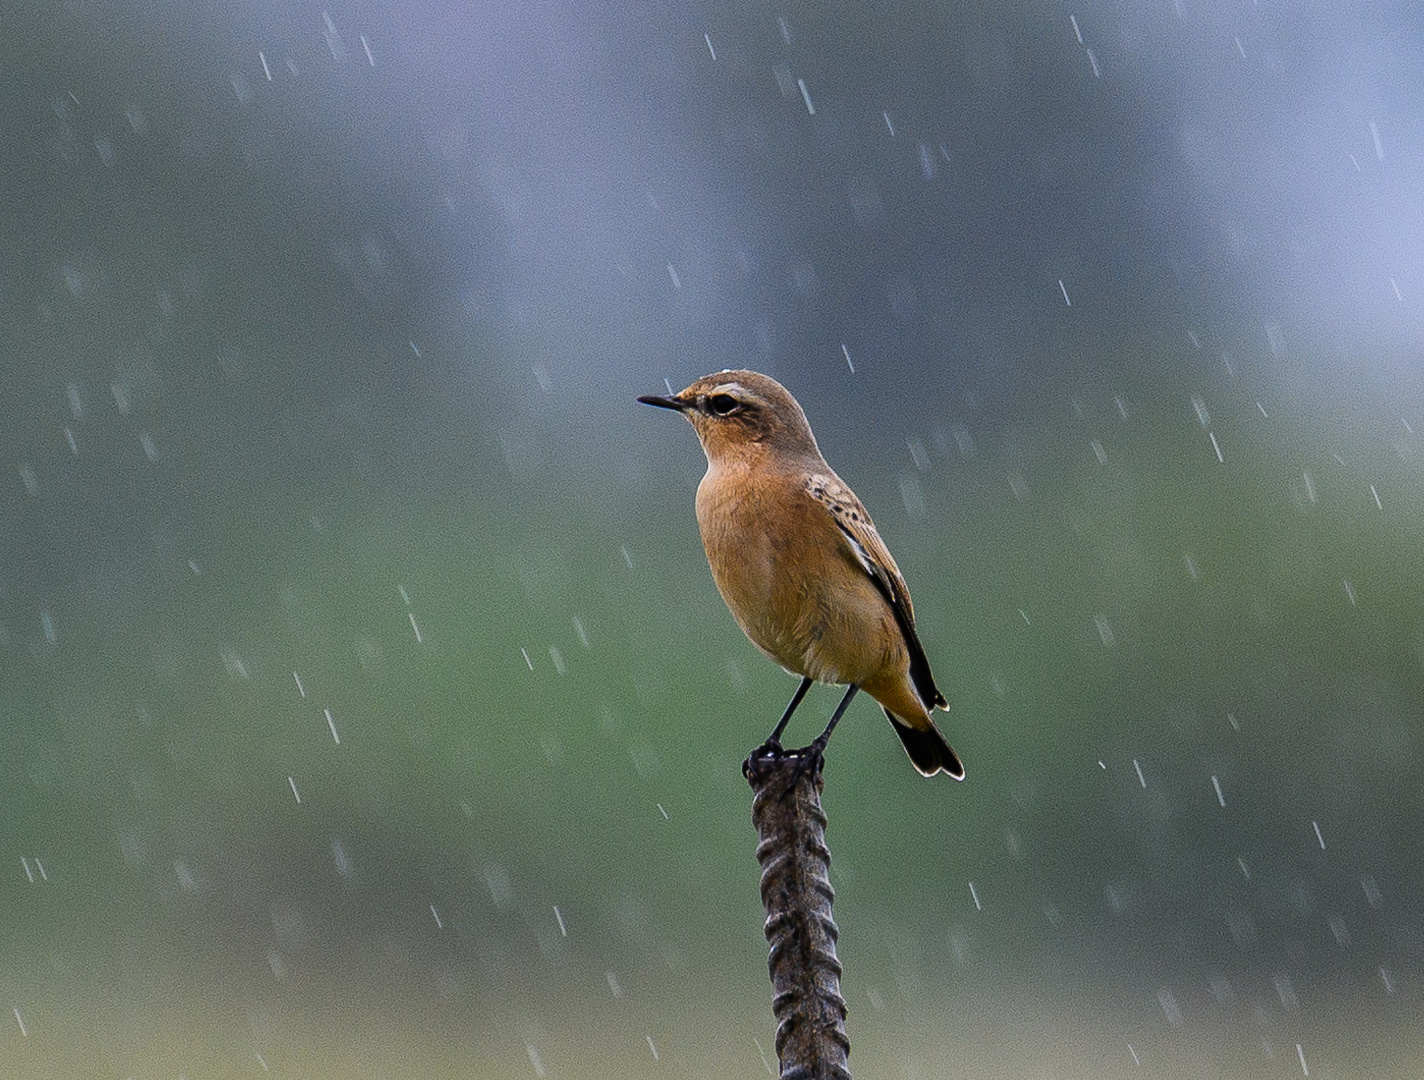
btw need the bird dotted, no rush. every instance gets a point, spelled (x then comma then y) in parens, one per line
(802, 567)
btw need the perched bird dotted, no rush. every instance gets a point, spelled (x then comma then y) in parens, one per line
(801, 565)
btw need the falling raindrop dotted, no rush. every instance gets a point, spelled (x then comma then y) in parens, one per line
(806, 97)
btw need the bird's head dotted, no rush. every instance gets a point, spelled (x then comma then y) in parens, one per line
(736, 413)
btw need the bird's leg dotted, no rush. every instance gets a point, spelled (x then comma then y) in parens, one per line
(773, 741)
(812, 757)
(772, 747)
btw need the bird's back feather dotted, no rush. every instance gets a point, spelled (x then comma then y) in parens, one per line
(855, 525)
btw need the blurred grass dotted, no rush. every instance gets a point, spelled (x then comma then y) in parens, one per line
(499, 766)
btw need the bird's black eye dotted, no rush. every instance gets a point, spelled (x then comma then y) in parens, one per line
(723, 404)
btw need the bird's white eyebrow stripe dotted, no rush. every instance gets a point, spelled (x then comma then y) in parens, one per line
(727, 388)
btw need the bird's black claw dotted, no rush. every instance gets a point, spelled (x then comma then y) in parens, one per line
(810, 761)
(768, 751)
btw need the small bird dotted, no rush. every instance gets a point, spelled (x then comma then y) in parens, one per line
(801, 565)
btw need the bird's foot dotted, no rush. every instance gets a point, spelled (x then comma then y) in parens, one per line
(810, 760)
(767, 753)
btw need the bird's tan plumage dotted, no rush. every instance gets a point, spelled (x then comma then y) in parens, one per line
(799, 561)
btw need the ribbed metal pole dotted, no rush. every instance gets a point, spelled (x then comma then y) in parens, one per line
(811, 1040)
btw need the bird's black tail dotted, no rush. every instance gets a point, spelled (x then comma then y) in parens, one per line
(929, 751)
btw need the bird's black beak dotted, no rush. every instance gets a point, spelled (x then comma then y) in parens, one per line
(664, 402)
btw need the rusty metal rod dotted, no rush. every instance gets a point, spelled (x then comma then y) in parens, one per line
(811, 1040)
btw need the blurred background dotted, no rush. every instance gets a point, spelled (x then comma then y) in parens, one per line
(367, 709)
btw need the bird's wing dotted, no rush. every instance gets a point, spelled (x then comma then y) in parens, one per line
(875, 559)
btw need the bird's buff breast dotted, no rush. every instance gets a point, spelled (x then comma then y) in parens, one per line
(780, 584)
